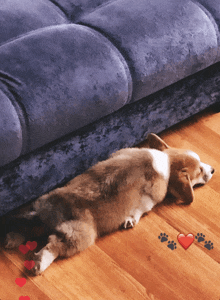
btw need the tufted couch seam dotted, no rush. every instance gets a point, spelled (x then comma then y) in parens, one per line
(68, 14)
(20, 36)
(59, 8)
(120, 55)
(27, 15)
(145, 65)
(120, 76)
(7, 87)
(214, 23)
(98, 7)
(120, 49)
(44, 78)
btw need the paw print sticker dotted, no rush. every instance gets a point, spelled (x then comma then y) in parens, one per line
(208, 245)
(200, 237)
(163, 237)
(171, 245)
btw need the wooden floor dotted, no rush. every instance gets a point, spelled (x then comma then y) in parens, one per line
(136, 264)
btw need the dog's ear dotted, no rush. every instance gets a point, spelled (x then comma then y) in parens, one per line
(181, 187)
(155, 142)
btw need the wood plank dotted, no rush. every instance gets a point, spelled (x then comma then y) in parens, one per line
(102, 277)
(93, 275)
(135, 264)
(9, 272)
(167, 274)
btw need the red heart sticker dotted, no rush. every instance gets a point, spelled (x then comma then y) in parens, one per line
(29, 264)
(185, 240)
(31, 245)
(24, 298)
(23, 249)
(20, 281)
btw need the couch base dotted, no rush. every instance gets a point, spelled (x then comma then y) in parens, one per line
(53, 165)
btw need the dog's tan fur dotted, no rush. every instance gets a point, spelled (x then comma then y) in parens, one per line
(113, 193)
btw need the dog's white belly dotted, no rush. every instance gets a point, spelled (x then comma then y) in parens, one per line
(146, 205)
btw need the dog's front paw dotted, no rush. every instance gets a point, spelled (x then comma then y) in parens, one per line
(42, 260)
(129, 223)
(36, 270)
(13, 240)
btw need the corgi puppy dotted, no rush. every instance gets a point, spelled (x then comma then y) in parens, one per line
(112, 194)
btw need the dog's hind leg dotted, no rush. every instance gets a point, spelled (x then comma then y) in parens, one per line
(71, 237)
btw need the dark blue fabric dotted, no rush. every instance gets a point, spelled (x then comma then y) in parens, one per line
(100, 72)
(213, 6)
(20, 17)
(163, 41)
(75, 9)
(53, 165)
(64, 77)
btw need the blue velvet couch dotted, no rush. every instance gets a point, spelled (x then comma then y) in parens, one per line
(80, 79)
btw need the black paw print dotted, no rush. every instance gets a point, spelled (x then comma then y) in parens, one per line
(163, 237)
(208, 245)
(200, 237)
(171, 245)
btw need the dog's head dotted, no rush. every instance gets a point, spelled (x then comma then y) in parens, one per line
(186, 169)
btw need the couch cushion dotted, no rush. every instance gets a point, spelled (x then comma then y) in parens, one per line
(69, 76)
(10, 132)
(60, 78)
(213, 6)
(74, 9)
(20, 17)
(163, 41)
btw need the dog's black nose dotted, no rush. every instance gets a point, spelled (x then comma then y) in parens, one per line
(212, 171)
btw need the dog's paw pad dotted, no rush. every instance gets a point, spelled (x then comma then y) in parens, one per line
(129, 223)
(163, 237)
(36, 270)
(13, 240)
(200, 237)
(208, 245)
(171, 245)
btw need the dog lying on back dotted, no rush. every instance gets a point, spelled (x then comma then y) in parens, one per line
(112, 194)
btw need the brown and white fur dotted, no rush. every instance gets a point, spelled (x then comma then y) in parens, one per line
(112, 194)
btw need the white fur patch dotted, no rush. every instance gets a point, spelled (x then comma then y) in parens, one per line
(147, 204)
(46, 259)
(193, 154)
(160, 163)
(207, 168)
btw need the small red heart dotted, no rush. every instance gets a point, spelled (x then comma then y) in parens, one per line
(24, 298)
(20, 281)
(23, 249)
(31, 245)
(29, 264)
(185, 240)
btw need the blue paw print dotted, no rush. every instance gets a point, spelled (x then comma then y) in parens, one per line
(163, 237)
(200, 237)
(171, 245)
(208, 245)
